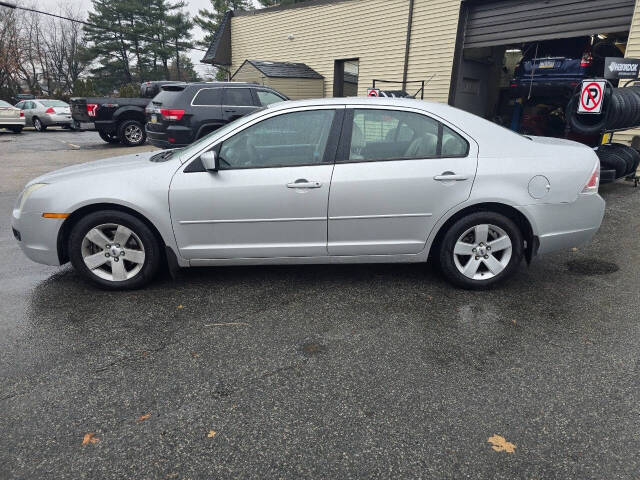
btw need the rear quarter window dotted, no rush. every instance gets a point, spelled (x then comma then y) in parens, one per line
(208, 96)
(168, 97)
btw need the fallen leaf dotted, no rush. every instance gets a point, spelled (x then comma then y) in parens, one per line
(500, 444)
(211, 434)
(226, 324)
(144, 417)
(574, 249)
(180, 306)
(90, 438)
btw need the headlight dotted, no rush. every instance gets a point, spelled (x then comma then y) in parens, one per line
(26, 192)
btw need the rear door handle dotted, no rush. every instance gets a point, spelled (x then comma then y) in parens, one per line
(450, 177)
(303, 183)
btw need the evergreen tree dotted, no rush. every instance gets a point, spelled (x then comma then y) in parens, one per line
(209, 20)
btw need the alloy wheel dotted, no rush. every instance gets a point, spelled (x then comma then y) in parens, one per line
(37, 124)
(113, 252)
(133, 133)
(482, 252)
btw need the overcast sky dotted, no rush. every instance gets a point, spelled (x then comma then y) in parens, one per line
(84, 5)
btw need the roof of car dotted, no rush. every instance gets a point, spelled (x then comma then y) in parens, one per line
(285, 69)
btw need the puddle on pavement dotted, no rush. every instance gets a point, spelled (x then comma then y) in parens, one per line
(591, 266)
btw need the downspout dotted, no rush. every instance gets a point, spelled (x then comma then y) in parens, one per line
(407, 46)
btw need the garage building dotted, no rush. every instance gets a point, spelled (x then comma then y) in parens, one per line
(465, 51)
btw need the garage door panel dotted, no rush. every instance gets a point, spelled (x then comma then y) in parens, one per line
(512, 21)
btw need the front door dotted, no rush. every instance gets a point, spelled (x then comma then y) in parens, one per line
(268, 199)
(397, 173)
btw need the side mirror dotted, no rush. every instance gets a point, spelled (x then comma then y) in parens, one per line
(210, 161)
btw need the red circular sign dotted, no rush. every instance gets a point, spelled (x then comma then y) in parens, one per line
(587, 95)
(373, 93)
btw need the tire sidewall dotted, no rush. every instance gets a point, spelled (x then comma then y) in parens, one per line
(446, 258)
(123, 138)
(36, 122)
(146, 235)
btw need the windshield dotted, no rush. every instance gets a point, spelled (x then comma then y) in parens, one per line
(53, 103)
(4, 104)
(198, 145)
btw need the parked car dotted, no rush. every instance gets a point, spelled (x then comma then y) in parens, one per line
(117, 119)
(183, 113)
(43, 113)
(553, 68)
(11, 117)
(341, 180)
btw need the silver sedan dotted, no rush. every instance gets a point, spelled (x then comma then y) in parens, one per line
(321, 181)
(11, 117)
(43, 113)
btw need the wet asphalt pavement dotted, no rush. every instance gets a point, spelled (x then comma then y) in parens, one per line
(374, 371)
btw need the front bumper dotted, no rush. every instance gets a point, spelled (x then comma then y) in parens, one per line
(566, 225)
(37, 236)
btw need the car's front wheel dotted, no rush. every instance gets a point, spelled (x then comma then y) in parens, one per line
(114, 250)
(480, 250)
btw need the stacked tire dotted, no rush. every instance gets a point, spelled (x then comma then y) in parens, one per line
(620, 110)
(618, 158)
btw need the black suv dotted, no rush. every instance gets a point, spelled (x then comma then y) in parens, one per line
(183, 113)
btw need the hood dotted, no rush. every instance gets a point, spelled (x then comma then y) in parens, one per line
(98, 167)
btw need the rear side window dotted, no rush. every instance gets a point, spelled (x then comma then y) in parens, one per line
(5, 104)
(267, 98)
(238, 97)
(168, 97)
(208, 96)
(391, 135)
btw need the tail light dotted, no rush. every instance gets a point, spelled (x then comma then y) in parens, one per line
(171, 115)
(594, 180)
(21, 113)
(50, 110)
(587, 59)
(91, 109)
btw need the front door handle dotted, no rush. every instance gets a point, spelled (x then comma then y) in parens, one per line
(304, 183)
(450, 177)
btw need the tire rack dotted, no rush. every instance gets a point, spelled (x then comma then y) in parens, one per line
(606, 135)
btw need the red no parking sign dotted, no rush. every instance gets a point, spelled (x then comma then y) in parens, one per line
(591, 96)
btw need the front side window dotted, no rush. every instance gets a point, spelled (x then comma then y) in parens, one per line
(20, 105)
(290, 139)
(208, 96)
(237, 97)
(395, 134)
(267, 98)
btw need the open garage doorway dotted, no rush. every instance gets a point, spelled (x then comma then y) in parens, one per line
(521, 61)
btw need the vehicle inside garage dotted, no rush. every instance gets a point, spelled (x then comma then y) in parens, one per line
(518, 63)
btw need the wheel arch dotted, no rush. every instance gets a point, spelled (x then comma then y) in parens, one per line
(130, 113)
(71, 220)
(519, 218)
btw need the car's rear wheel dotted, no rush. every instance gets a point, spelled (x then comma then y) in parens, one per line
(114, 250)
(131, 133)
(108, 137)
(38, 125)
(481, 250)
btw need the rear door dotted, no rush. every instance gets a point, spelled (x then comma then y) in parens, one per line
(397, 172)
(237, 102)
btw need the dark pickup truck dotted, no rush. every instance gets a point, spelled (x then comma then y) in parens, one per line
(117, 120)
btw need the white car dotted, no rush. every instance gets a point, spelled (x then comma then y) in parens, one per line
(11, 117)
(344, 180)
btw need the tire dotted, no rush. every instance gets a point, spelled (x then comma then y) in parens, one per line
(142, 254)
(38, 125)
(587, 124)
(108, 137)
(463, 233)
(16, 129)
(131, 133)
(628, 154)
(610, 159)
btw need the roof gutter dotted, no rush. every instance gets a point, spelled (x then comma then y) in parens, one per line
(407, 46)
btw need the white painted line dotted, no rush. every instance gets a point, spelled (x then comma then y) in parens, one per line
(67, 143)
